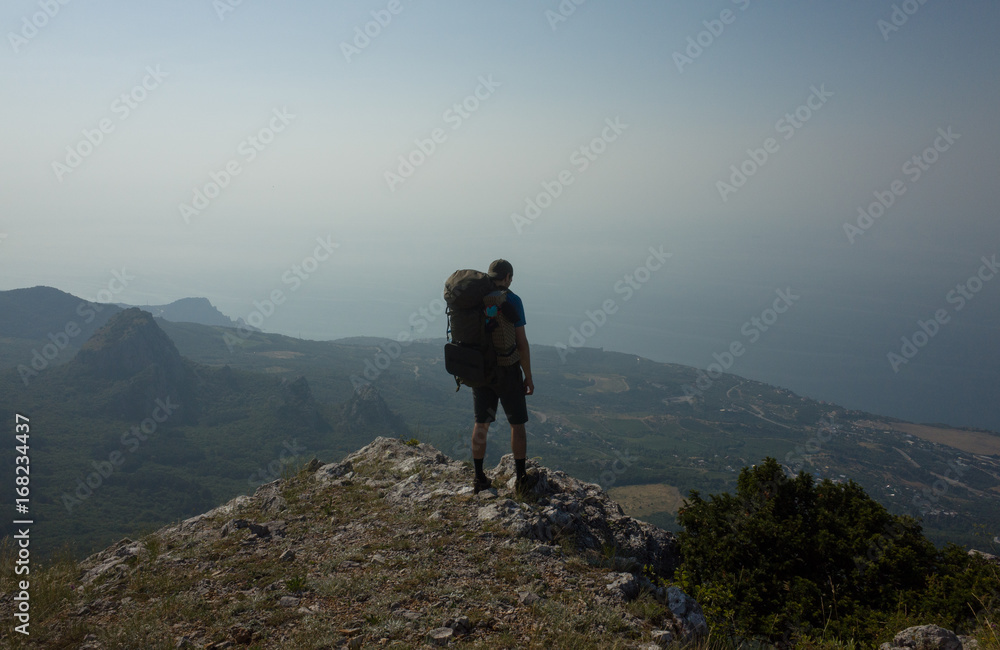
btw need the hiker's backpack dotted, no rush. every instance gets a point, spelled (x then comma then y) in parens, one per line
(480, 320)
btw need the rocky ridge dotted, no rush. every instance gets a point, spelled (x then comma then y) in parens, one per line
(388, 548)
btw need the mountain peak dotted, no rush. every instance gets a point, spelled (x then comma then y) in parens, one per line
(366, 412)
(34, 312)
(128, 343)
(390, 546)
(139, 364)
(190, 310)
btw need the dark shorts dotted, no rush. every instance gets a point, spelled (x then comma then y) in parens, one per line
(508, 391)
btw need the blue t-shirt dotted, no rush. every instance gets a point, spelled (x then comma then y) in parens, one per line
(515, 300)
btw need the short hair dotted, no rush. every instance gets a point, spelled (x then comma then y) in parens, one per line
(500, 269)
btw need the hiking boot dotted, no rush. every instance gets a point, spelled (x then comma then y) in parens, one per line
(524, 484)
(482, 482)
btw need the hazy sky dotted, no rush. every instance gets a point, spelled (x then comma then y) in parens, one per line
(634, 118)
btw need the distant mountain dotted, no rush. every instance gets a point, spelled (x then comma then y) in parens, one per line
(35, 312)
(300, 406)
(43, 326)
(189, 310)
(137, 364)
(126, 345)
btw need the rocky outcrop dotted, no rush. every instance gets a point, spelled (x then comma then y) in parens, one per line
(140, 365)
(390, 546)
(559, 507)
(300, 406)
(127, 345)
(985, 557)
(567, 507)
(366, 412)
(925, 637)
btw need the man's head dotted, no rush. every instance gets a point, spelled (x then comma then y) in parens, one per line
(502, 272)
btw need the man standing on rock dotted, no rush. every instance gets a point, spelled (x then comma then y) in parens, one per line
(509, 390)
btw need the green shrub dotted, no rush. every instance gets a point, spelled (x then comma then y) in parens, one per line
(791, 558)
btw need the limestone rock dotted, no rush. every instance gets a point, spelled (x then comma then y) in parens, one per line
(441, 635)
(584, 512)
(461, 624)
(924, 637)
(332, 472)
(622, 586)
(688, 614)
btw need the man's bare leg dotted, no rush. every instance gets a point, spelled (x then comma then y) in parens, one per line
(479, 440)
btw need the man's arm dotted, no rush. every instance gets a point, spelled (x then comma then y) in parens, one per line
(525, 355)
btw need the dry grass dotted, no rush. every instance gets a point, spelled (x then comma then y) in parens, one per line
(643, 500)
(602, 383)
(973, 442)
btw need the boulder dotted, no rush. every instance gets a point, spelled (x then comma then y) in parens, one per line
(924, 637)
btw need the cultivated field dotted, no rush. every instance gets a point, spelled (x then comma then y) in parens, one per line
(643, 500)
(973, 442)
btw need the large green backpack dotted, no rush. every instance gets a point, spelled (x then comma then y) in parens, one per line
(474, 327)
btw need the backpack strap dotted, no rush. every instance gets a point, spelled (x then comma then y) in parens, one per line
(502, 331)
